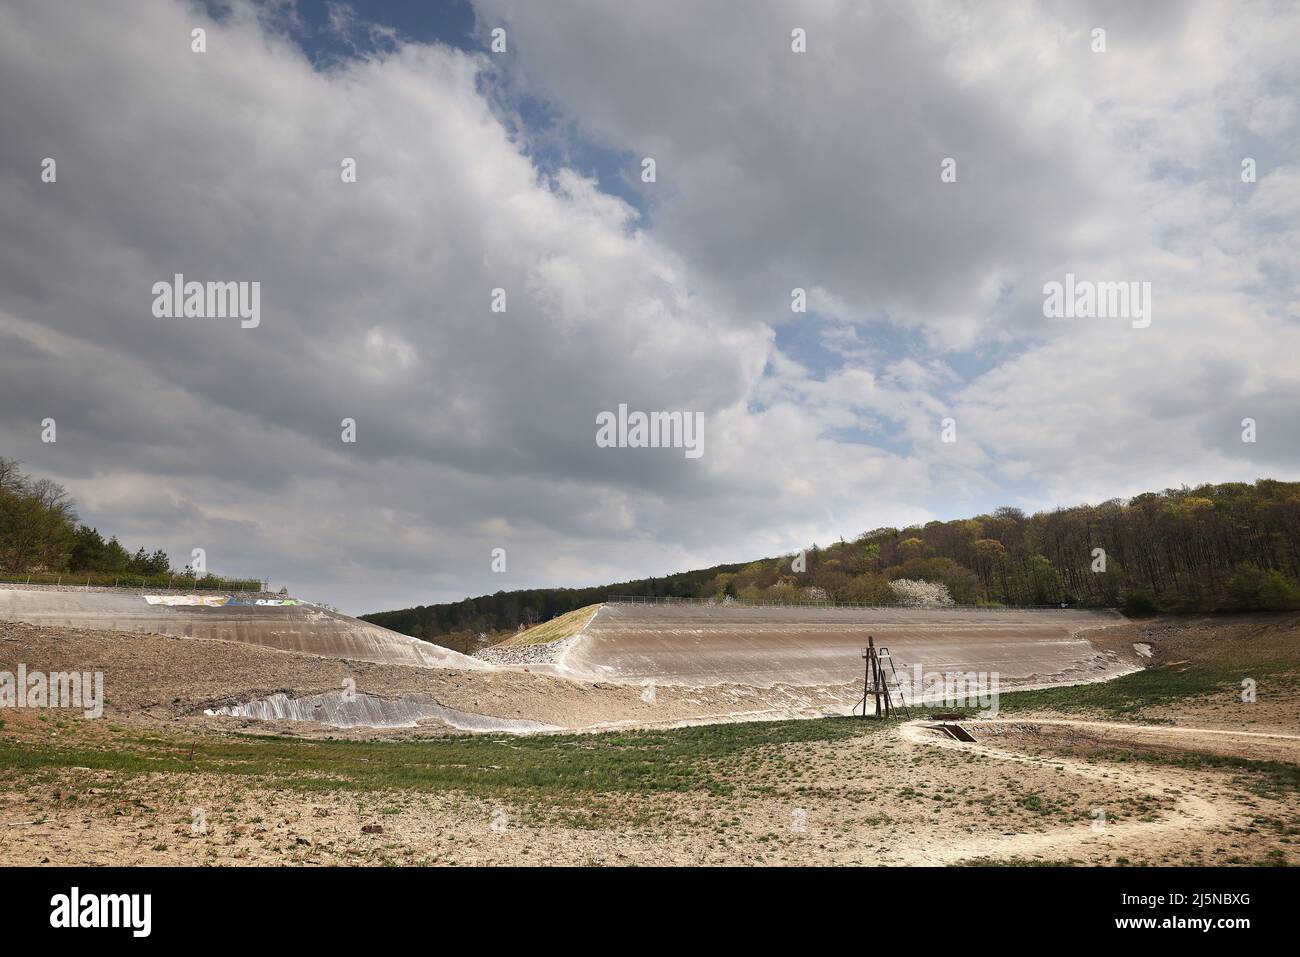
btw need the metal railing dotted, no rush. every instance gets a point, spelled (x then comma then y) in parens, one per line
(160, 583)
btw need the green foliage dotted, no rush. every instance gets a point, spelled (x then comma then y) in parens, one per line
(1140, 601)
(41, 539)
(37, 521)
(1044, 582)
(553, 767)
(865, 590)
(1253, 589)
(90, 553)
(1176, 549)
(1271, 779)
(1128, 696)
(132, 580)
(505, 611)
(156, 564)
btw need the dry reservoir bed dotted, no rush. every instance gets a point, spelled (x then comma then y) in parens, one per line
(631, 665)
(829, 791)
(126, 788)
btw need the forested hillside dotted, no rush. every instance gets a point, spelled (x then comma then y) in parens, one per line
(42, 539)
(507, 610)
(1215, 547)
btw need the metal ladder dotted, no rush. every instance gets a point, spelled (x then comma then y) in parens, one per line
(875, 682)
(884, 654)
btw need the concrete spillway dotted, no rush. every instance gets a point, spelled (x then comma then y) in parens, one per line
(301, 627)
(696, 645)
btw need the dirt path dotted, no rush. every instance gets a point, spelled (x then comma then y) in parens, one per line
(1143, 729)
(1192, 816)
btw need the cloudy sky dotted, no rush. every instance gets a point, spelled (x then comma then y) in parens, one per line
(522, 170)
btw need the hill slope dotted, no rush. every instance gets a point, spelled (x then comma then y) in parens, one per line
(298, 627)
(1234, 546)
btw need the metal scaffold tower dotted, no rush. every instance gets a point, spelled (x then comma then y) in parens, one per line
(876, 682)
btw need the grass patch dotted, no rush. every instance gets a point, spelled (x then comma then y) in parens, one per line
(546, 767)
(1128, 695)
(1275, 779)
(557, 629)
(121, 580)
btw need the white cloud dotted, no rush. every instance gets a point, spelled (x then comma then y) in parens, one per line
(476, 427)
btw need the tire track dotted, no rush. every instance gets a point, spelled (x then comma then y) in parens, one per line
(1192, 814)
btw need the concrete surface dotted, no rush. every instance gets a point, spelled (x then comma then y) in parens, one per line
(305, 628)
(699, 645)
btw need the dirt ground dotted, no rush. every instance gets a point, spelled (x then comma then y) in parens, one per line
(1202, 779)
(899, 796)
(172, 681)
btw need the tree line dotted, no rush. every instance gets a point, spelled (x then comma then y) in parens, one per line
(1234, 546)
(456, 624)
(41, 536)
(1227, 547)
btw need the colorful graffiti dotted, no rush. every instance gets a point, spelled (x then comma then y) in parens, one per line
(217, 601)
